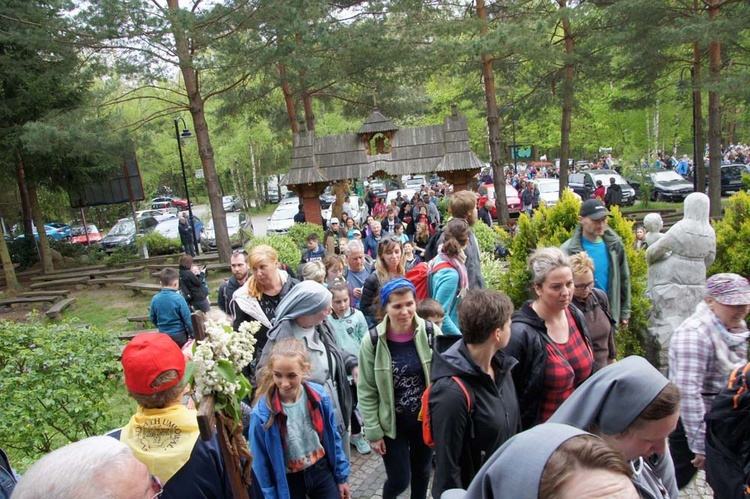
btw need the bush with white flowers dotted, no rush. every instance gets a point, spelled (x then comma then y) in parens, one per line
(218, 362)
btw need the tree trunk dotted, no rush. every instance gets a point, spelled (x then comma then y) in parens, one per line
(205, 150)
(699, 167)
(493, 126)
(287, 90)
(567, 109)
(306, 97)
(11, 281)
(36, 214)
(25, 203)
(714, 122)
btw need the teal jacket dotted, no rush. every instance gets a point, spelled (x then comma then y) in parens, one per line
(444, 288)
(375, 386)
(619, 270)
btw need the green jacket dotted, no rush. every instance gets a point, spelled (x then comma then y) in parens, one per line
(375, 386)
(619, 271)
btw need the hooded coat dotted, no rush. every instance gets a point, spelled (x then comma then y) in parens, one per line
(515, 469)
(528, 345)
(465, 441)
(612, 399)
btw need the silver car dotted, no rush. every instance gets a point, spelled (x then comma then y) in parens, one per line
(240, 229)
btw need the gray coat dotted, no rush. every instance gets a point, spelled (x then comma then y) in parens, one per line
(473, 262)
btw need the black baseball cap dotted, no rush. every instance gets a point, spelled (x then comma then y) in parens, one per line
(593, 209)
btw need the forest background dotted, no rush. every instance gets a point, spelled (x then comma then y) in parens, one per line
(82, 81)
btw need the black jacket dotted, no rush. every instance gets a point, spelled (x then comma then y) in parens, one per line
(613, 197)
(528, 345)
(463, 442)
(191, 287)
(370, 296)
(226, 291)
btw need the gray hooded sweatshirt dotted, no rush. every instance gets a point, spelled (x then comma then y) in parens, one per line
(612, 399)
(515, 469)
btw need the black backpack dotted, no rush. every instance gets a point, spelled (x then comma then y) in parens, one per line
(728, 438)
(431, 248)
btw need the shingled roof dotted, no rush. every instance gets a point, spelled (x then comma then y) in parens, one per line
(426, 149)
(376, 123)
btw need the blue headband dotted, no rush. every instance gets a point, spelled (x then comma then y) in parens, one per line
(391, 286)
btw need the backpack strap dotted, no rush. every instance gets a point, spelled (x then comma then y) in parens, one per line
(374, 337)
(463, 388)
(429, 328)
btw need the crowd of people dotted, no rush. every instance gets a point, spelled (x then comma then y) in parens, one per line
(417, 362)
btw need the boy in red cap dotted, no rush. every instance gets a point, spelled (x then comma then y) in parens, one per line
(163, 434)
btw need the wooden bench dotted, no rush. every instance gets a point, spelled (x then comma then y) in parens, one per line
(101, 282)
(55, 312)
(140, 287)
(57, 277)
(60, 282)
(124, 270)
(140, 320)
(129, 335)
(158, 267)
(48, 298)
(59, 292)
(80, 270)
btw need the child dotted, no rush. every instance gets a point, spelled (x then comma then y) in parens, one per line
(334, 269)
(296, 448)
(169, 311)
(399, 231)
(349, 327)
(410, 257)
(431, 310)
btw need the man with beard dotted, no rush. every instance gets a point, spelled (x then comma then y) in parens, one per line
(238, 262)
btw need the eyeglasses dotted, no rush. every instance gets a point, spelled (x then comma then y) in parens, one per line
(583, 287)
(156, 485)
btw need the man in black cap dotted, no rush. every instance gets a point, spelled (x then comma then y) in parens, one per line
(604, 246)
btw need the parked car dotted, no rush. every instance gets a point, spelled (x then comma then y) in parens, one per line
(123, 233)
(178, 202)
(405, 193)
(379, 188)
(272, 195)
(170, 228)
(282, 218)
(416, 182)
(159, 215)
(78, 234)
(54, 230)
(549, 190)
(358, 207)
(664, 185)
(165, 207)
(584, 183)
(511, 195)
(231, 203)
(239, 227)
(327, 198)
(731, 178)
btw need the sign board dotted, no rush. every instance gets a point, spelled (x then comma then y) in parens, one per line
(521, 152)
(124, 185)
(199, 173)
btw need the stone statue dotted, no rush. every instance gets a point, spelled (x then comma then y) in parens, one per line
(653, 225)
(677, 269)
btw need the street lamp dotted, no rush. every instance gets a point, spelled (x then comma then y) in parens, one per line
(681, 85)
(179, 136)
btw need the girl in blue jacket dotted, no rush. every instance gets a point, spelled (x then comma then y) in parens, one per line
(297, 451)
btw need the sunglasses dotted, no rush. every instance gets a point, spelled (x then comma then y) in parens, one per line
(157, 486)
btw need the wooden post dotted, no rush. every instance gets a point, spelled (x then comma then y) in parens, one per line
(208, 418)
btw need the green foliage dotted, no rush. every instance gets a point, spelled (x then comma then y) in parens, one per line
(442, 205)
(159, 245)
(55, 381)
(299, 232)
(493, 271)
(23, 252)
(746, 181)
(289, 253)
(732, 235)
(486, 237)
(552, 227)
(123, 254)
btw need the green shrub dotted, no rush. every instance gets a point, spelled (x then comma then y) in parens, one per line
(492, 271)
(746, 181)
(122, 254)
(552, 227)
(299, 232)
(442, 205)
(732, 236)
(159, 245)
(289, 253)
(23, 252)
(55, 382)
(486, 237)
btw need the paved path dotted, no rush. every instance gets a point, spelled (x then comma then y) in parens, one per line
(368, 476)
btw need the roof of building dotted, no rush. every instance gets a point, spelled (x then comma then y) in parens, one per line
(432, 148)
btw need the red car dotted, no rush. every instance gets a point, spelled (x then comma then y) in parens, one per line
(178, 202)
(511, 195)
(78, 236)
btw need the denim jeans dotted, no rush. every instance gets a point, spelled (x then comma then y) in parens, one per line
(407, 462)
(315, 482)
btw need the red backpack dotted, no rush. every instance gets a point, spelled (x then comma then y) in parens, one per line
(419, 277)
(424, 412)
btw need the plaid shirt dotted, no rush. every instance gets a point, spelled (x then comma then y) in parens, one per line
(564, 374)
(693, 367)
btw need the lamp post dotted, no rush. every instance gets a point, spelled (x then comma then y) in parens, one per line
(179, 136)
(681, 85)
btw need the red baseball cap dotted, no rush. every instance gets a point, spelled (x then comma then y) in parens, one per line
(146, 357)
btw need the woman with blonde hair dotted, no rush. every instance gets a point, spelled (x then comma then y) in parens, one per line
(258, 298)
(390, 263)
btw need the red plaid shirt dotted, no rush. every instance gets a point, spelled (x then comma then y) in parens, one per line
(564, 373)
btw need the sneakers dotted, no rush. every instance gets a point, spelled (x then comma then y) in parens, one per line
(359, 442)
